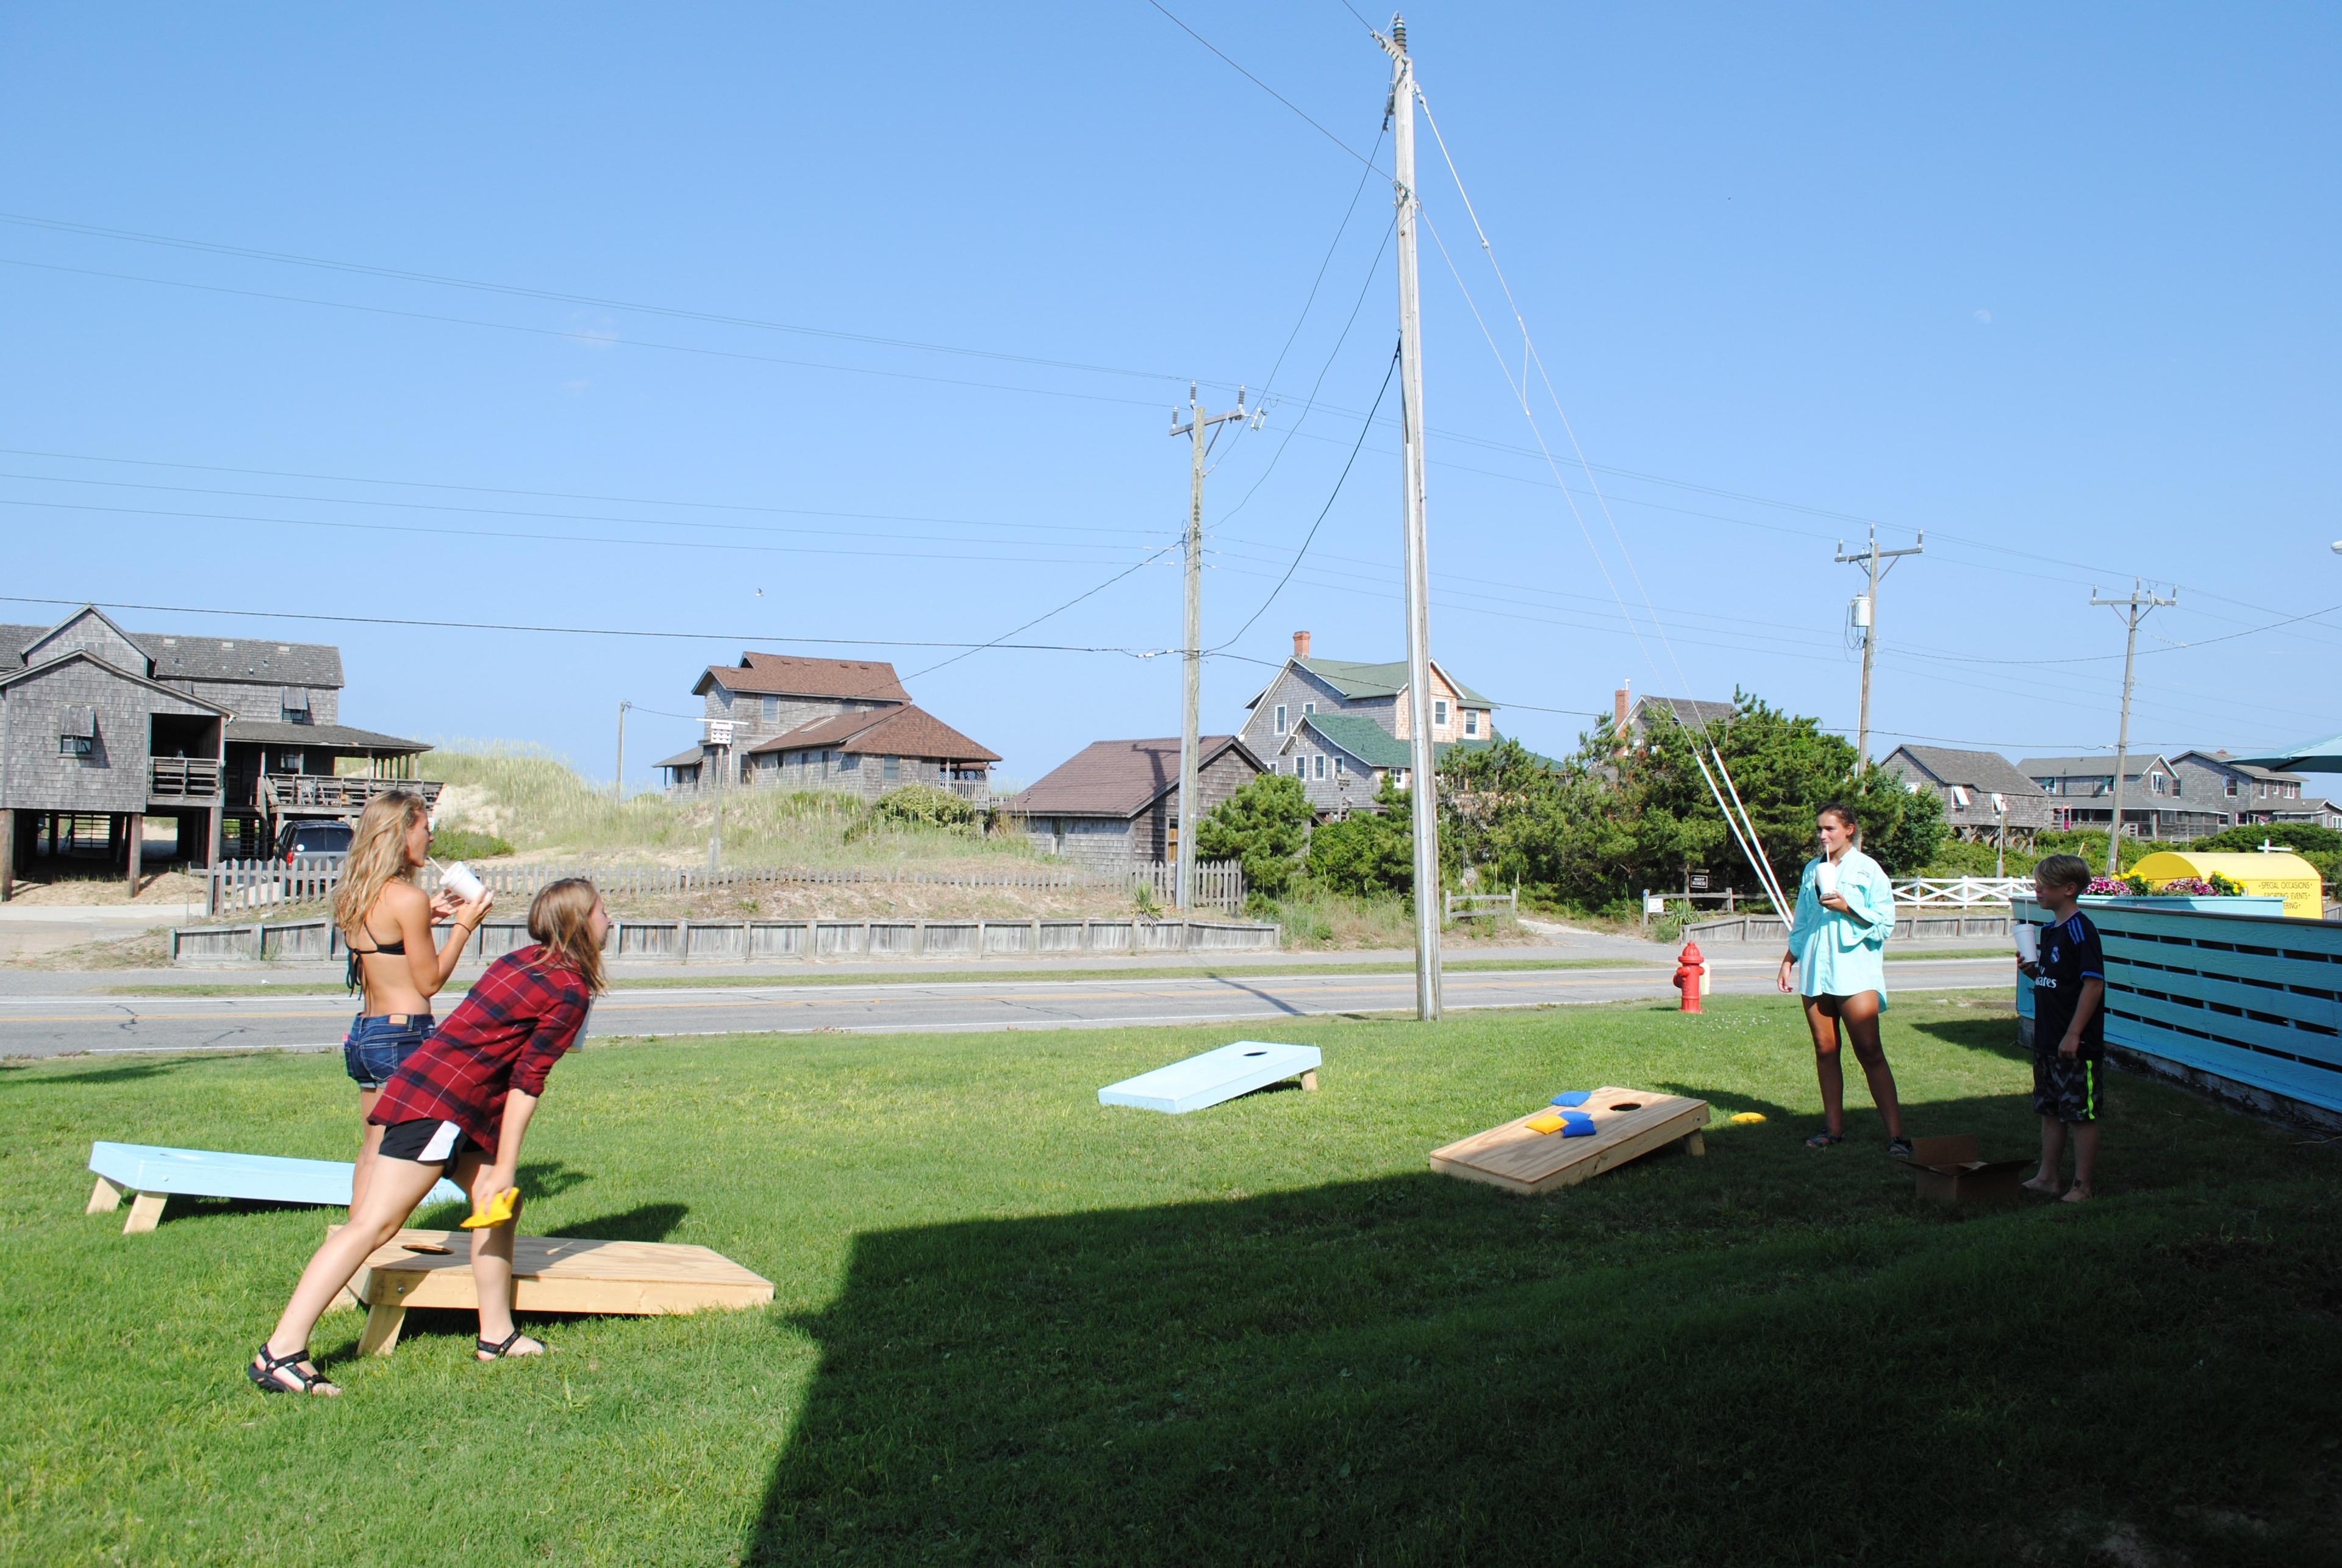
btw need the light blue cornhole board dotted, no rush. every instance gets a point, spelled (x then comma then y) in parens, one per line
(1214, 1076)
(159, 1174)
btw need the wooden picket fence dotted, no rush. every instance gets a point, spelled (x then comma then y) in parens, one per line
(243, 884)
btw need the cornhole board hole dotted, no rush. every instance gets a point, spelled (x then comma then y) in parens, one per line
(550, 1274)
(1217, 1075)
(156, 1175)
(1628, 1123)
(1948, 1171)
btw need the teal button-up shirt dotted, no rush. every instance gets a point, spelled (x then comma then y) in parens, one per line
(1843, 954)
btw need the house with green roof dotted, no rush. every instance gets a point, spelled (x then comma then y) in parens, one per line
(1339, 725)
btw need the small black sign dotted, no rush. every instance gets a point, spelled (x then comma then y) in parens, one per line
(1699, 881)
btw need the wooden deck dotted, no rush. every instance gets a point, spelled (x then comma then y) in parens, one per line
(550, 1274)
(1627, 1123)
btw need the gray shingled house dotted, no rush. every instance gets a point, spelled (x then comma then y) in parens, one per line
(1341, 759)
(1981, 791)
(101, 729)
(2156, 802)
(1116, 803)
(1305, 686)
(843, 724)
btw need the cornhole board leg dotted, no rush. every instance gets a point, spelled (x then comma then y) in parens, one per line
(1309, 1082)
(105, 1197)
(384, 1320)
(1696, 1144)
(146, 1213)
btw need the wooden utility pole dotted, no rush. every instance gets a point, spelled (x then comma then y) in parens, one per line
(618, 783)
(1202, 430)
(1423, 772)
(2133, 610)
(1866, 615)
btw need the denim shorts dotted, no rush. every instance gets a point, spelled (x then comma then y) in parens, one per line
(378, 1046)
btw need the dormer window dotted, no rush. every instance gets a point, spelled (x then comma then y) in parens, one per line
(77, 730)
(293, 705)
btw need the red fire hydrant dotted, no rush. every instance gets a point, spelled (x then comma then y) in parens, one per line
(1690, 967)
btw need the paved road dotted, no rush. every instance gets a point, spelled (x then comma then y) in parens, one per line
(65, 1022)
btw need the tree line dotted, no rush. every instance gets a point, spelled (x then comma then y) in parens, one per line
(1621, 815)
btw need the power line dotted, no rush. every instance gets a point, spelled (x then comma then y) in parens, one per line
(575, 336)
(551, 630)
(1331, 497)
(440, 280)
(708, 544)
(1086, 594)
(1264, 87)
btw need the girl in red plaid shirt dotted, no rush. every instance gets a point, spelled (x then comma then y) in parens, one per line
(461, 1104)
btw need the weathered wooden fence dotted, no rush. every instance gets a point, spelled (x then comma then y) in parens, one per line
(241, 884)
(2246, 1005)
(699, 941)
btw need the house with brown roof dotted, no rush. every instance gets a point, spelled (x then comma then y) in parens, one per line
(782, 719)
(1116, 803)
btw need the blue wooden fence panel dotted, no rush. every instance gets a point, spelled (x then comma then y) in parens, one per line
(2253, 998)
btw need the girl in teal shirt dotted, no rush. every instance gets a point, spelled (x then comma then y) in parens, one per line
(1837, 942)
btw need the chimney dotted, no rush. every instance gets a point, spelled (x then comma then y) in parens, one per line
(1300, 644)
(1618, 709)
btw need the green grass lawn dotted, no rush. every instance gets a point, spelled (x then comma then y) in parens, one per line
(1013, 1325)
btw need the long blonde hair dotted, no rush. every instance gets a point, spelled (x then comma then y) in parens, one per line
(378, 856)
(561, 918)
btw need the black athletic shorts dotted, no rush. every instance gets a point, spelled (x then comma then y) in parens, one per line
(427, 1141)
(2067, 1087)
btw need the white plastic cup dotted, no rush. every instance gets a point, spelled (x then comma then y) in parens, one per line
(1826, 877)
(458, 880)
(2028, 941)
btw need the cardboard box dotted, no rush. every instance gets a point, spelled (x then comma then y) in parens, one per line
(1949, 1171)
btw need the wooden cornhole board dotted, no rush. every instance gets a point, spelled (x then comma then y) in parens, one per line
(157, 1174)
(1628, 1123)
(1217, 1075)
(550, 1274)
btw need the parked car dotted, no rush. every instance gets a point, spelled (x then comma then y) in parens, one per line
(315, 838)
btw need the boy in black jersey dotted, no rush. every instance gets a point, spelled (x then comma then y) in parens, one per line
(2069, 1026)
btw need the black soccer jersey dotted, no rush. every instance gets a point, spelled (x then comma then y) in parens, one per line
(2070, 954)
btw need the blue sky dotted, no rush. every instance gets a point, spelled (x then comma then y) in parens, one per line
(2053, 285)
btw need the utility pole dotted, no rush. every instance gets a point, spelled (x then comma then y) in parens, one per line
(618, 783)
(2133, 610)
(1423, 772)
(1865, 614)
(1202, 430)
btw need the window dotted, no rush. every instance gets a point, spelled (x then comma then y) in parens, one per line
(772, 710)
(1321, 764)
(848, 762)
(1280, 718)
(2232, 789)
(77, 730)
(1471, 721)
(890, 767)
(292, 707)
(288, 762)
(1340, 767)
(1439, 712)
(1959, 797)
(1308, 708)
(2156, 784)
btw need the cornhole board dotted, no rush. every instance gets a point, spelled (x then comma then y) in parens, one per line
(1217, 1075)
(550, 1274)
(157, 1174)
(1628, 1125)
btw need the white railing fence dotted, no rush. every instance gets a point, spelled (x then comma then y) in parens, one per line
(1961, 892)
(243, 884)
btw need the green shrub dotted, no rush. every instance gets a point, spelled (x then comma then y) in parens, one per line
(1263, 826)
(924, 805)
(1368, 854)
(463, 843)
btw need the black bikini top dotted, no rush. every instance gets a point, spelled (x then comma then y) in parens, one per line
(356, 974)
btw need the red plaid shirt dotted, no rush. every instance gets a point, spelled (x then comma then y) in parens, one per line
(507, 1034)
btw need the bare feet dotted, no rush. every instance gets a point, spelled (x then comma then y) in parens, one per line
(2080, 1194)
(2045, 1184)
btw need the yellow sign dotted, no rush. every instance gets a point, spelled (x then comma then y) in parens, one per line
(2279, 873)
